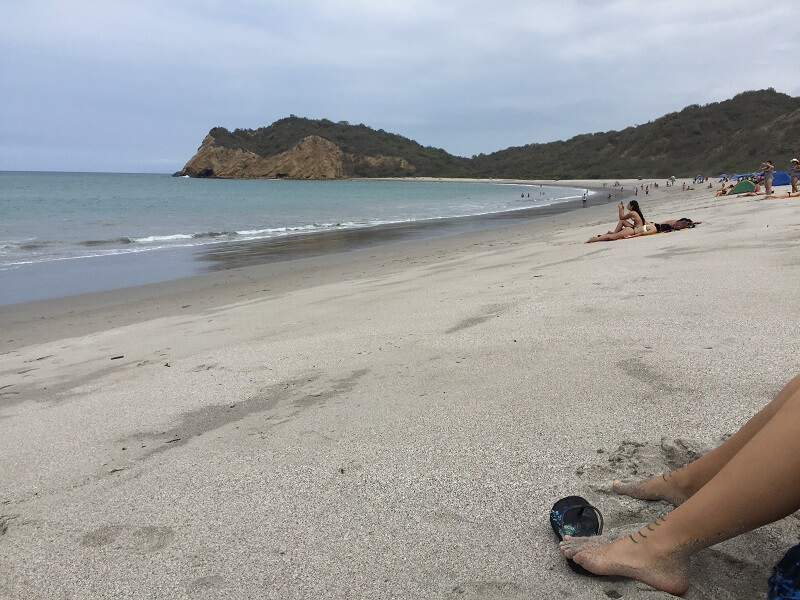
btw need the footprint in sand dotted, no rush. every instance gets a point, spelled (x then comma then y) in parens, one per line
(151, 539)
(142, 539)
(102, 536)
(202, 584)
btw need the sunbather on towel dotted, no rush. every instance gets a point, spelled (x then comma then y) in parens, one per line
(786, 195)
(667, 226)
(756, 192)
(646, 229)
(750, 480)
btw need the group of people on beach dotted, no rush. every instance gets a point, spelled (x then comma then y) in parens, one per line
(769, 174)
(633, 224)
(766, 177)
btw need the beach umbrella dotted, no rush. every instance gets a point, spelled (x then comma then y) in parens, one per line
(742, 187)
(723, 175)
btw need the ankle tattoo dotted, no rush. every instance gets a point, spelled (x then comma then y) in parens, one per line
(657, 523)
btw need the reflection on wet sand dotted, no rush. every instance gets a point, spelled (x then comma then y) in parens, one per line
(232, 255)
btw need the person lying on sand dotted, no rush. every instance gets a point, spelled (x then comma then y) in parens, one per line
(786, 195)
(667, 226)
(749, 481)
(756, 192)
(646, 229)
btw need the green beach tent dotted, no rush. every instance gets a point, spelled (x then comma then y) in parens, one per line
(743, 186)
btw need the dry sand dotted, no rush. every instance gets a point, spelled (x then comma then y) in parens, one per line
(393, 422)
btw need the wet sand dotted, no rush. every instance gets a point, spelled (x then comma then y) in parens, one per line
(394, 421)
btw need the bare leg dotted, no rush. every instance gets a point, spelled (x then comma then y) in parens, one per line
(677, 486)
(608, 237)
(757, 485)
(621, 224)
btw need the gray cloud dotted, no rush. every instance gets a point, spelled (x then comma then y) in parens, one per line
(134, 86)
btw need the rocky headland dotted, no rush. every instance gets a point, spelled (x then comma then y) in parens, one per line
(313, 158)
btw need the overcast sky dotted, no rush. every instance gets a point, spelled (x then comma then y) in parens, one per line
(134, 86)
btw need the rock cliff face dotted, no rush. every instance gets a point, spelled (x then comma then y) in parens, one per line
(313, 158)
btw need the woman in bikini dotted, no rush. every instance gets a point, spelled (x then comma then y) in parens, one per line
(632, 219)
(645, 229)
(786, 195)
(628, 224)
(666, 226)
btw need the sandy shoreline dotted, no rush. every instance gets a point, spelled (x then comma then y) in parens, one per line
(394, 421)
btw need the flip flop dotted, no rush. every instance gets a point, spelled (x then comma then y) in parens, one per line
(574, 516)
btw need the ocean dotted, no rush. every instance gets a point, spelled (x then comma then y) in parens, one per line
(70, 233)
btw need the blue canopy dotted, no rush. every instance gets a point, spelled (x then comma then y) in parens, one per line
(781, 178)
(723, 175)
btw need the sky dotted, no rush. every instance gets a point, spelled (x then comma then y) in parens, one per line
(134, 86)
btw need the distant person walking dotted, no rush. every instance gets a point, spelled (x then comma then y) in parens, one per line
(795, 172)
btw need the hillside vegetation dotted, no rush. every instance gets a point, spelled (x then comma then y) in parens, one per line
(354, 140)
(733, 135)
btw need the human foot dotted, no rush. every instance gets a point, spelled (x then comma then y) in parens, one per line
(661, 487)
(570, 546)
(629, 558)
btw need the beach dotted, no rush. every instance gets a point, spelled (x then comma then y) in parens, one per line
(395, 421)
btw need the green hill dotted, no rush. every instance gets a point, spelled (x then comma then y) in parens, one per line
(357, 140)
(733, 135)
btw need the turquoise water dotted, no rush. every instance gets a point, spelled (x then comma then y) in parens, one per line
(58, 225)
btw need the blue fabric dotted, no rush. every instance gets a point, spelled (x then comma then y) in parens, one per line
(785, 581)
(781, 178)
